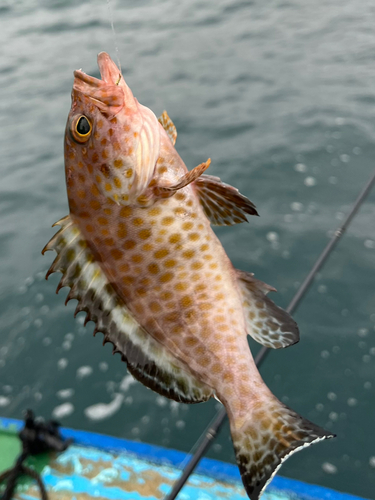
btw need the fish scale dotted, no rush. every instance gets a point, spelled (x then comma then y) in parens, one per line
(140, 256)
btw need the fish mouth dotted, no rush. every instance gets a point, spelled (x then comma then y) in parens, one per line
(109, 94)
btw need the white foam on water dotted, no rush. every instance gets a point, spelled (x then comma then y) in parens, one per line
(62, 363)
(101, 411)
(65, 393)
(63, 410)
(329, 468)
(310, 181)
(126, 382)
(84, 371)
(4, 401)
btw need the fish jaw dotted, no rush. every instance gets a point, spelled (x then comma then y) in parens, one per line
(119, 157)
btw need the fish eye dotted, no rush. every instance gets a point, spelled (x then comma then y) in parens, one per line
(81, 129)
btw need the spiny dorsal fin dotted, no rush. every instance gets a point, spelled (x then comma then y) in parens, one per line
(168, 126)
(147, 360)
(224, 205)
(267, 323)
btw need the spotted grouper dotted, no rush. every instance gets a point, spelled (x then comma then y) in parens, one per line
(138, 253)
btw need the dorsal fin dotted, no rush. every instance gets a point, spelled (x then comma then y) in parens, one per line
(146, 359)
(168, 126)
(224, 205)
(267, 323)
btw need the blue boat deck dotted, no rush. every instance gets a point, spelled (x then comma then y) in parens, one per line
(104, 467)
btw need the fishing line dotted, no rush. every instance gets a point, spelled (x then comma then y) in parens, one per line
(114, 35)
(205, 440)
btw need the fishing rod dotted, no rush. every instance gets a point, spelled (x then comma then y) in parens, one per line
(205, 440)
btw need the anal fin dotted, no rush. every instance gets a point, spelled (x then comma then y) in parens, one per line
(146, 359)
(224, 205)
(267, 323)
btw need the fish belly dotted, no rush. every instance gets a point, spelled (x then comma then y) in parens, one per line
(169, 268)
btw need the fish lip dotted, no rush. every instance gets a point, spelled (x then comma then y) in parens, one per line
(109, 94)
(109, 98)
(108, 69)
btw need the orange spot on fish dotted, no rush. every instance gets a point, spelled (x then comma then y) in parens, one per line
(166, 277)
(121, 232)
(118, 163)
(154, 211)
(167, 221)
(109, 242)
(129, 244)
(197, 265)
(186, 226)
(175, 238)
(153, 268)
(154, 307)
(95, 205)
(102, 221)
(124, 268)
(144, 234)
(137, 258)
(126, 211)
(170, 263)
(179, 196)
(189, 254)
(137, 221)
(186, 301)
(160, 254)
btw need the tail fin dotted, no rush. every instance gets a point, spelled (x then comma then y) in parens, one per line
(264, 443)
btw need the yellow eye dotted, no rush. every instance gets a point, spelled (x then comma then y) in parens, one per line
(82, 129)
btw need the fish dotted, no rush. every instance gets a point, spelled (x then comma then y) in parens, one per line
(138, 253)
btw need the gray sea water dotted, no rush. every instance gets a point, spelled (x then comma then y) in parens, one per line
(281, 96)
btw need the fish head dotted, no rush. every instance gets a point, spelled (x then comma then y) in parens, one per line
(111, 142)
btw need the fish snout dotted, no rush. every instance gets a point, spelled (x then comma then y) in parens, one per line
(108, 69)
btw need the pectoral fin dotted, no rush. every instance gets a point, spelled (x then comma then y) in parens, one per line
(164, 191)
(267, 323)
(224, 205)
(168, 126)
